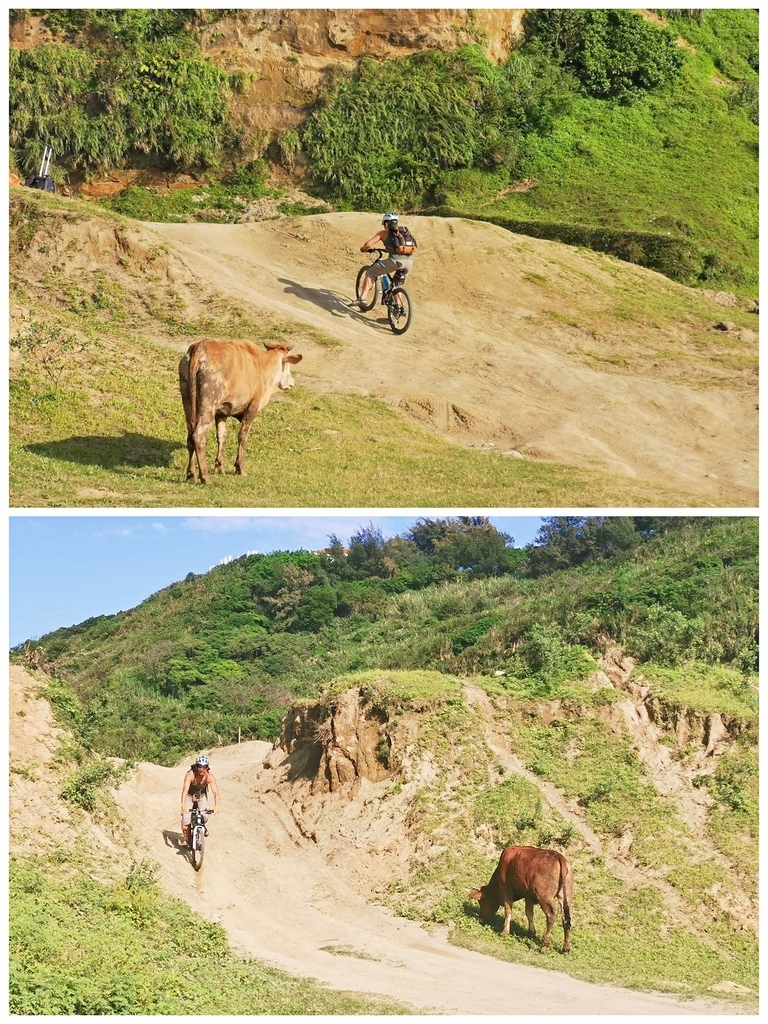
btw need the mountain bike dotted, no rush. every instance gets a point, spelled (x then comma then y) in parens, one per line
(391, 293)
(197, 833)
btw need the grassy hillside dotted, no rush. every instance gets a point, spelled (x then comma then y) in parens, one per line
(680, 161)
(224, 653)
(601, 120)
(509, 682)
(102, 311)
(645, 914)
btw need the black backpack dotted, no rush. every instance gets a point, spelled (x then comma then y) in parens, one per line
(400, 241)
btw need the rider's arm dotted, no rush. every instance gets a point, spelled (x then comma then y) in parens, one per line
(371, 243)
(214, 789)
(185, 789)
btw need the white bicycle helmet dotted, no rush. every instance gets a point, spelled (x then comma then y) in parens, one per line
(389, 218)
(202, 761)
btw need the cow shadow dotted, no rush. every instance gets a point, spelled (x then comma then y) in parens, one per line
(517, 929)
(127, 452)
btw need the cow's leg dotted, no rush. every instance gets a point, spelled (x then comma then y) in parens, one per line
(221, 437)
(566, 929)
(507, 918)
(200, 436)
(191, 474)
(530, 903)
(549, 912)
(248, 417)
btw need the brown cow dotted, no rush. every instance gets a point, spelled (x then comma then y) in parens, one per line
(228, 378)
(537, 876)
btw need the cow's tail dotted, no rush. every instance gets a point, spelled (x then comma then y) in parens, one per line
(565, 890)
(194, 368)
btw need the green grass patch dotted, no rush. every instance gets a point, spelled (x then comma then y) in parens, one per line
(706, 689)
(78, 946)
(114, 436)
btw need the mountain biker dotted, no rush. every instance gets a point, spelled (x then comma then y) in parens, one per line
(196, 783)
(385, 238)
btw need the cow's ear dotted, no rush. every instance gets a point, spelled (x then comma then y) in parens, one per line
(293, 359)
(476, 894)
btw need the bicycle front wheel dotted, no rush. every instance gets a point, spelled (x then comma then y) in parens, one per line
(373, 294)
(399, 310)
(198, 848)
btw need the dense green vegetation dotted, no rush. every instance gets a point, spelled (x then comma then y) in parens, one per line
(139, 89)
(226, 652)
(79, 946)
(647, 128)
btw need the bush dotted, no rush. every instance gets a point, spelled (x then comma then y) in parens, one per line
(664, 635)
(374, 143)
(613, 53)
(84, 787)
(100, 104)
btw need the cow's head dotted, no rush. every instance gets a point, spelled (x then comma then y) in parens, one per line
(285, 380)
(488, 904)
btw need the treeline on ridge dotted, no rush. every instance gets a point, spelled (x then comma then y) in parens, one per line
(223, 654)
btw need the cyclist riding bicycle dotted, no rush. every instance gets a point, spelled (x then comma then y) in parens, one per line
(387, 239)
(195, 787)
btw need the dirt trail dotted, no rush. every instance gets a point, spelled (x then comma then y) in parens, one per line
(280, 902)
(491, 359)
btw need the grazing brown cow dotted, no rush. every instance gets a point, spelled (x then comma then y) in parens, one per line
(537, 876)
(228, 378)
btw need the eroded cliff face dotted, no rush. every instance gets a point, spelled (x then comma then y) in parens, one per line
(339, 745)
(290, 53)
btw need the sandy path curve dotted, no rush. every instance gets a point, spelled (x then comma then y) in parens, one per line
(281, 903)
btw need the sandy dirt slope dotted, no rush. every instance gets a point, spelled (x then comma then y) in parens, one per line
(280, 902)
(485, 362)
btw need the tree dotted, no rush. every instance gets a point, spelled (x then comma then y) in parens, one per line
(564, 541)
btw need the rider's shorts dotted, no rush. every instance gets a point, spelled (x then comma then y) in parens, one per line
(390, 264)
(202, 803)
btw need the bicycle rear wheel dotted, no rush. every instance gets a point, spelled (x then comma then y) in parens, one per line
(375, 292)
(198, 847)
(399, 310)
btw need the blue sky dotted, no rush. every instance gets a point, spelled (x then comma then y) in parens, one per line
(64, 569)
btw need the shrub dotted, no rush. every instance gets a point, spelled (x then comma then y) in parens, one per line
(613, 53)
(663, 635)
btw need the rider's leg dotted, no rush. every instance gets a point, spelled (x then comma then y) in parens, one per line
(368, 282)
(186, 831)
